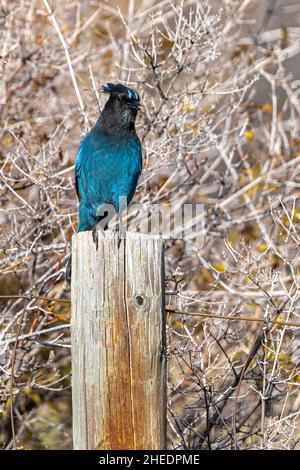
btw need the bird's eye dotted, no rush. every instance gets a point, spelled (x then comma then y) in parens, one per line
(119, 98)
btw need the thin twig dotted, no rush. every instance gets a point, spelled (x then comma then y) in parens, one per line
(235, 318)
(36, 333)
(64, 45)
(13, 361)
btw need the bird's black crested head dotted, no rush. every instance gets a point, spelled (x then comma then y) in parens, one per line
(121, 108)
(127, 97)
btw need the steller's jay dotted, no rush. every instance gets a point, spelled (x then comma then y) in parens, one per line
(109, 160)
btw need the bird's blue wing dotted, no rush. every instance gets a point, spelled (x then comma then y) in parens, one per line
(92, 171)
(104, 172)
(78, 166)
(140, 160)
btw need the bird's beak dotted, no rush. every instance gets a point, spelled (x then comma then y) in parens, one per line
(135, 105)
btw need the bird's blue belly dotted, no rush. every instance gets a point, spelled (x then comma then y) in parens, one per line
(107, 174)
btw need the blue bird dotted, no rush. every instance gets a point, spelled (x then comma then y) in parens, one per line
(109, 160)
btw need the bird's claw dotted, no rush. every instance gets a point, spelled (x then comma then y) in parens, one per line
(116, 230)
(95, 236)
(119, 240)
(119, 229)
(121, 232)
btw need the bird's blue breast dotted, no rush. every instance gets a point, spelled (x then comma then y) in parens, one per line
(106, 170)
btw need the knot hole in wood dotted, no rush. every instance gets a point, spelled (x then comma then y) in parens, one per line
(139, 300)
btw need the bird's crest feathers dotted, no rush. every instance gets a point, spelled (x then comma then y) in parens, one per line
(119, 88)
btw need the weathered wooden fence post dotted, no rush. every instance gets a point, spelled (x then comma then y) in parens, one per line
(118, 341)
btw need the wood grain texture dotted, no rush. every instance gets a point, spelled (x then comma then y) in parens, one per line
(118, 342)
